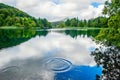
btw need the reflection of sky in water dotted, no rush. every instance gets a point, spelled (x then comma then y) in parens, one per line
(30, 56)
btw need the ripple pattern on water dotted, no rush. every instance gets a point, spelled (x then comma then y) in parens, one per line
(10, 73)
(58, 65)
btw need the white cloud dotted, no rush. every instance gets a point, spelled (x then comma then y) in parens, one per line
(55, 11)
(91, 12)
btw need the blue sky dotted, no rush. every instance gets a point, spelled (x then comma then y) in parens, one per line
(96, 4)
(56, 1)
(55, 10)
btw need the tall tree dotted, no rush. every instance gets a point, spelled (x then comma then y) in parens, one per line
(112, 8)
(109, 57)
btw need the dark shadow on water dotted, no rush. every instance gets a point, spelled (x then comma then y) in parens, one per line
(109, 58)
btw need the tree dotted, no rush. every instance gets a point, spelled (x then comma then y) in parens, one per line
(74, 22)
(61, 25)
(112, 8)
(81, 23)
(10, 16)
(109, 57)
(67, 22)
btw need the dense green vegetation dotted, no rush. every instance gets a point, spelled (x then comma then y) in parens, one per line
(111, 35)
(99, 22)
(10, 16)
(109, 57)
(13, 37)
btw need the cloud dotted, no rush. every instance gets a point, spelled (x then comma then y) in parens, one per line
(91, 12)
(59, 9)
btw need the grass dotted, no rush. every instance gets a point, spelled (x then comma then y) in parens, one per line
(66, 28)
(11, 27)
(80, 28)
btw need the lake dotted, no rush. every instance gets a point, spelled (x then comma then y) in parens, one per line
(53, 54)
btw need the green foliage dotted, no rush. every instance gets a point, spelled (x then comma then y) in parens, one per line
(112, 7)
(10, 16)
(114, 21)
(109, 57)
(61, 25)
(112, 36)
(43, 23)
(99, 22)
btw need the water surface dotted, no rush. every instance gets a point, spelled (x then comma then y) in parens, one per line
(47, 55)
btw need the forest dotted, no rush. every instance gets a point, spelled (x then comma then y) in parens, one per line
(99, 22)
(10, 16)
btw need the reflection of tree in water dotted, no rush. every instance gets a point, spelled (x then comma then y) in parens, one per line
(72, 33)
(109, 58)
(85, 32)
(92, 32)
(41, 33)
(13, 37)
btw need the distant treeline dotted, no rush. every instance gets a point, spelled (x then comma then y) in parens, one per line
(99, 22)
(10, 16)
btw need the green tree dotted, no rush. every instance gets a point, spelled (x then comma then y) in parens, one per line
(109, 57)
(67, 22)
(81, 23)
(74, 22)
(10, 16)
(112, 8)
(61, 25)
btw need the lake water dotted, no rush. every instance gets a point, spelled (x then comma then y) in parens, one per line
(48, 55)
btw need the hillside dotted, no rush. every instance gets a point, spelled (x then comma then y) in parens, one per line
(11, 16)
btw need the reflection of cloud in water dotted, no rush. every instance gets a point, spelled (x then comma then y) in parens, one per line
(29, 69)
(52, 45)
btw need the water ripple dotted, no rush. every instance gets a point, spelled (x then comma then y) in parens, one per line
(58, 65)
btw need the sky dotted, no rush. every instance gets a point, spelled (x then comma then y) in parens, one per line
(55, 10)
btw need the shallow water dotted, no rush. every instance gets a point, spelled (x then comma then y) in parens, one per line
(55, 55)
